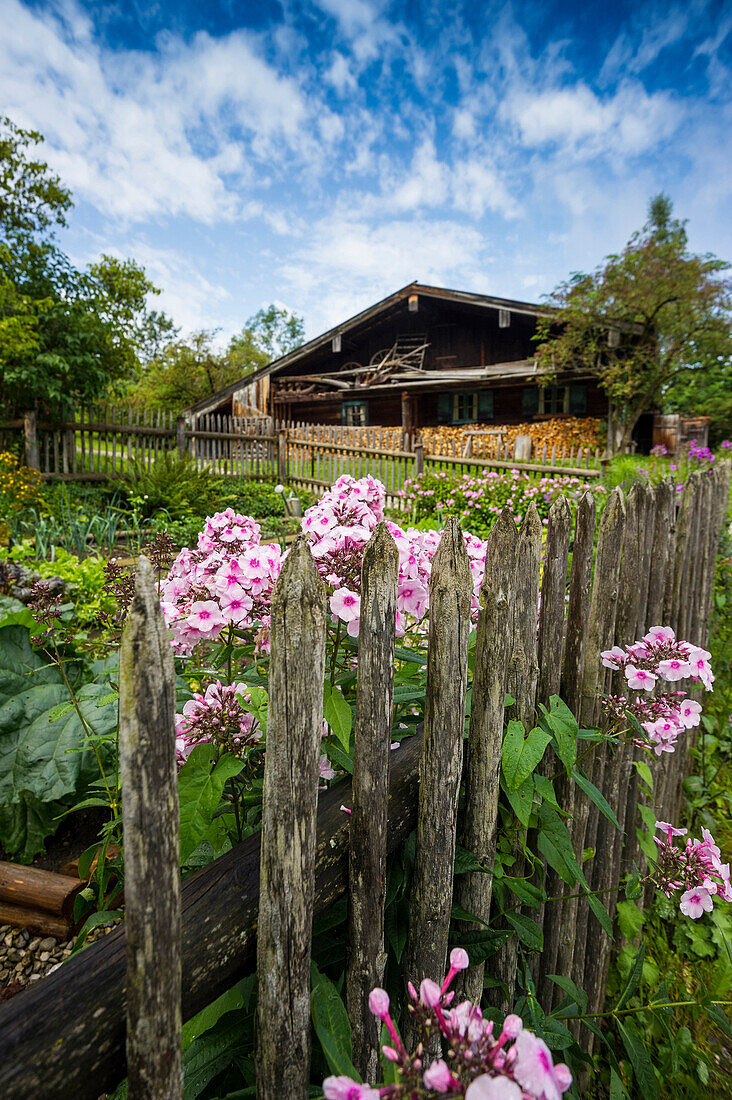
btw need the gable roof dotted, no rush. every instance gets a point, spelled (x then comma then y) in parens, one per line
(461, 297)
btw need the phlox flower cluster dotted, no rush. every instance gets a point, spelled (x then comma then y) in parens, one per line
(479, 1065)
(659, 657)
(217, 716)
(340, 525)
(226, 580)
(693, 867)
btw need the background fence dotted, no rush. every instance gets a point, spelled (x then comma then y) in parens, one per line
(66, 1035)
(101, 444)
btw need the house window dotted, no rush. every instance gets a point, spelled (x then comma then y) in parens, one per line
(356, 413)
(464, 408)
(553, 400)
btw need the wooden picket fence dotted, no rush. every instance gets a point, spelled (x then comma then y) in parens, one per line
(654, 563)
(102, 444)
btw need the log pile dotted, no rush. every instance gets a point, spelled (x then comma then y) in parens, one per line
(562, 433)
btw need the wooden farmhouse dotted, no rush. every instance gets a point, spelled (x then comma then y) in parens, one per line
(423, 356)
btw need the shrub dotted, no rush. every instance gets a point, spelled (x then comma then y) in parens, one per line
(20, 489)
(173, 483)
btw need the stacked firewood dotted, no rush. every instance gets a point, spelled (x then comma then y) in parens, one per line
(562, 433)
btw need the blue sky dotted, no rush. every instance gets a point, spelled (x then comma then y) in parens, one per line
(322, 154)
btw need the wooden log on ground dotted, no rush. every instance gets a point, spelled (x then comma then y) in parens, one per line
(63, 1038)
(441, 763)
(372, 747)
(35, 920)
(289, 810)
(44, 891)
(151, 847)
(492, 651)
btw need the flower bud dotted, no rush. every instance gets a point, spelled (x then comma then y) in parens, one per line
(459, 959)
(379, 1003)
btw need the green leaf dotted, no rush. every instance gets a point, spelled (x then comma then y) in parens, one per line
(630, 919)
(212, 1053)
(205, 1019)
(524, 890)
(465, 862)
(337, 714)
(634, 978)
(95, 920)
(520, 757)
(26, 826)
(595, 796)
(617, 1088)
(43, 761)
(563, 725)
(201, 783)
(458, 913)
(257, 704)
(481, 945)
(568, 986)
(718, 1017)
(60, 711)
(644, 772)
(640, 1061)
(522, 800)
(545, 788)
(527, 930)
(331, 1024)
(601, 913)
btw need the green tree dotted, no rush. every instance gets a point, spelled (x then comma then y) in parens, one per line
(66, 336)
(187, 371)
(650, 319)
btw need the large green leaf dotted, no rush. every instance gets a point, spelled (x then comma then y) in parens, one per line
(200, 786)
(331, 1024)
(563, 725)
(43, 760)
(337, 714)
(520, 757)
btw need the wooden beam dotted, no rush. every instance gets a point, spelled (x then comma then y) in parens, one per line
(64, 1036)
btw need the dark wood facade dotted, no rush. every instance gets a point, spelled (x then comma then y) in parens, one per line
(421, 357)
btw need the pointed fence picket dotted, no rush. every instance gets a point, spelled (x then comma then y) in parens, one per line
(66, 1035)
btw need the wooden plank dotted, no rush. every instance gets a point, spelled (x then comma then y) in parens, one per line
(151, 847)
(483, 751)
(289, 811)
(372, 747)
(430, 900)
(553, 589)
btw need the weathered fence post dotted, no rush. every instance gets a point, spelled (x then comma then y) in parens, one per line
(281, 459)
(30, 430)
(441, 759)
(523, 677)
(418, 459)
(492, 651)
(180, 435)
(151, 847)
(600, 626)
(372, 745)
(289, 807)
(573, 663)
(553, 589)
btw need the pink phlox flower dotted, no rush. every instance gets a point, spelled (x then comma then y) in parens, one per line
(345, 605)
(205, 616)
(412, 598)
(670, 830)
(696, 901)
(534, 1070)
(700, 666)
(659, 635)
(690, 713)
(673, 669)
(493, 1088)
(439, 1078)
(345, 1088)
(325, 768)
(639, 678)
(614, 658)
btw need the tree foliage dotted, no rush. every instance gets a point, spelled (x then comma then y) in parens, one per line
(187, 371)
(66, 336)
(651, 319)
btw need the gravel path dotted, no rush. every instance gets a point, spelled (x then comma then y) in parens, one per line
(26, 957)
